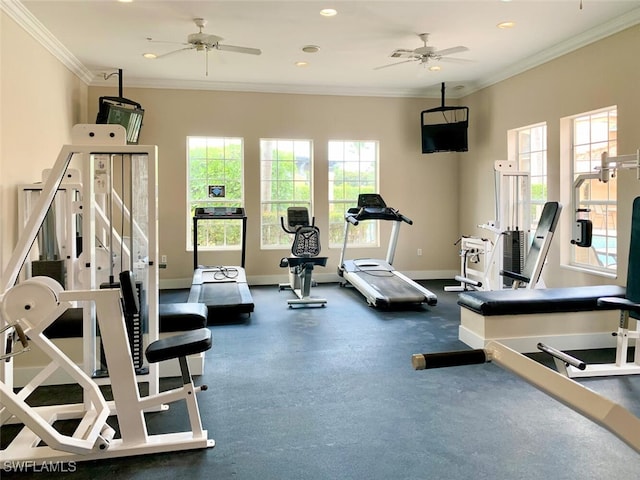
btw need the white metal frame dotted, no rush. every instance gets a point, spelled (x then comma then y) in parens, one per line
(29, 307)
(93, 438)
(94, 145)
(593, 406)
(511, 185)
(621, 366)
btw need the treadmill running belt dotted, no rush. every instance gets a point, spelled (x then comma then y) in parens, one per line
(391, 289)
(220, 293)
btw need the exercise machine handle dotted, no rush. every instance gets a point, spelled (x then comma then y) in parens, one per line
(567, 359)
(423, 361)
(405, 219)
(285, 228)
(351, 219)
(24, 341)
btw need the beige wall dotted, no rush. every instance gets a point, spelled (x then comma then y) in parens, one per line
(445, 194)
(423, 187)
(596, 76)
(40, 101)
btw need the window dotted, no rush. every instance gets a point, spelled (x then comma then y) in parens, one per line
(214, 179)
(594, 133)
(529, 145)
(286, 168)
(353, 169)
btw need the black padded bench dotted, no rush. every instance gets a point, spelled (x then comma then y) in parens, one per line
(568, 318)
(542, 300)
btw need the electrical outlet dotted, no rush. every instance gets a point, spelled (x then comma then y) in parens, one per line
(163, 259)
(419, 252)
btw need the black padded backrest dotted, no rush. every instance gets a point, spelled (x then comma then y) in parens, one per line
(540, 243)
(129, 293)
(306, 242)
(633, 271)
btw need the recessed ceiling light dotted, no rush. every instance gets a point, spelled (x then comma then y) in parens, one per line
(310, 49)
(149, 55)
(435, 68)
(506, 24)
(328, 12)
(301, 64)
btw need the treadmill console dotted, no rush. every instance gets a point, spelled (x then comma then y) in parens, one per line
(371, 201)
(219, 212)
(369, 204)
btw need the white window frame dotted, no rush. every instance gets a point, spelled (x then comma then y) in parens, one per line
(531, 157)
(599, 258)
(345, 152)
(215, 234)
(275, 171)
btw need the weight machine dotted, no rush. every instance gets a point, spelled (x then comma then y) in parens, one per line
(483, 258)
(305, 250)
(29, 307)
(612, 416)
(609, 166)
(102, 222)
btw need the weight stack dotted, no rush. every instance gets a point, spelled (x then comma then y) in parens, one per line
(513, 253)
(135, 331)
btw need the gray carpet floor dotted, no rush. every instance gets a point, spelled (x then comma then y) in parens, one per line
(329, 393)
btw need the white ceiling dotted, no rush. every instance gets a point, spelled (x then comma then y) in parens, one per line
(100, 36)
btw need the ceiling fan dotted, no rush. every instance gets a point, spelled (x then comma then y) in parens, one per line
(425, 53)
(204, 42)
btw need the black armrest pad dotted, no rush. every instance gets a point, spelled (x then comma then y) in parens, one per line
(181, 345)
(621, 303)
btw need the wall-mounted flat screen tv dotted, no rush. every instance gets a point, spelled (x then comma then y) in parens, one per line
(121, 111)
(444, 129)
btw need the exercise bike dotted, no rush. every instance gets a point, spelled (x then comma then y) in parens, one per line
(305, 250)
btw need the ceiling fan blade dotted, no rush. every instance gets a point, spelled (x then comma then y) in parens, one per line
(174, 51)
(450, 51)
(233, 48)
(393, 64)
(152, 40)
(455, 60)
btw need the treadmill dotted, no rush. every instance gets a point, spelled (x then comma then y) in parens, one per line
(223, 289)
(380, 283)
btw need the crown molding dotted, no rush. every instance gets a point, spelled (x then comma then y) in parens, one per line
(138, 82)
(24, 18)
(604, 30)
(18, 12)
